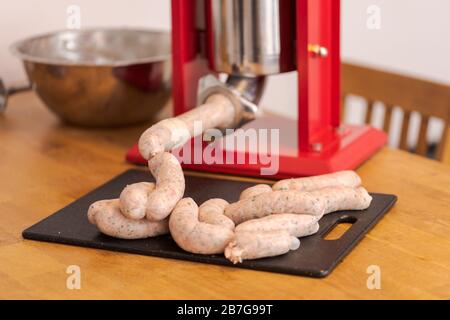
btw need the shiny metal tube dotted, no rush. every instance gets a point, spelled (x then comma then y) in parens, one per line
(243, 92)
(247, 37)
(251, 89)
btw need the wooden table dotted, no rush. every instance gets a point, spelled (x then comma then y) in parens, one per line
(45, 166)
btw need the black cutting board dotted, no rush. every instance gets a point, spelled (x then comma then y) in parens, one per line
(315, 258)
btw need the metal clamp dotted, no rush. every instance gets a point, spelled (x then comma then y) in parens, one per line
(244, 94)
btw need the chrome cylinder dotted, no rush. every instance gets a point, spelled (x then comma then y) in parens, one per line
(247, 37)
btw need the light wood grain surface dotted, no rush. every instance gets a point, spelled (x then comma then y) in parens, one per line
(45, 166)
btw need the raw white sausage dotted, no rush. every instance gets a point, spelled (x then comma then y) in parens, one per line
(108, 218)
(250, 246)
(212, 212)
(255, 191)
(297, 225)
(134, 200)
(169, 188)
(195, 236)
(169, 134)
(340, 199)
(348, 179)
(276, 202)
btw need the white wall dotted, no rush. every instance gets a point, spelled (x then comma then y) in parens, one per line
(414, 36)
(414, 39)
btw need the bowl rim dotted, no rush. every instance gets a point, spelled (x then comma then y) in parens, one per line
(17, 52)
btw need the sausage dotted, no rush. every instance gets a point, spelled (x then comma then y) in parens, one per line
(255, 191)
(340, 199)
(316, 203)
(108, 218)
(169, 188)
(348, 179)
(212, 212)
(297, 225)
(134, 200)
(169, 134)
(195, 236)
(276, 202)
(249, 245)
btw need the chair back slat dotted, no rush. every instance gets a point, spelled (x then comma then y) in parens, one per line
(422, 145)
(405, 130)
(443, 153)
(388, 118)
(429, 99)
(369, 113)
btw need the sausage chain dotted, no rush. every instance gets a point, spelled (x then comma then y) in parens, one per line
(142, 206)
(266, 221)
(169, 134)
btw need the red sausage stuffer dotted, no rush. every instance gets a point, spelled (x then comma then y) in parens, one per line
(234, 46)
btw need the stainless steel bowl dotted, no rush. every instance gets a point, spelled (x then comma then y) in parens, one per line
(100, 77)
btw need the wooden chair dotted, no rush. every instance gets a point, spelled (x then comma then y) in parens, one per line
(411, 95)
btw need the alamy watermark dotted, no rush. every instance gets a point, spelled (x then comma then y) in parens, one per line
(374, 17)
(73, 20)
(73, 281)
(374, 279)
(243, 147)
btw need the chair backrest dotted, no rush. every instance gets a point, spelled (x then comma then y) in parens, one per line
(410, 94)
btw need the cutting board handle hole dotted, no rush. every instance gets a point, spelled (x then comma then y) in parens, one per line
(341, 227)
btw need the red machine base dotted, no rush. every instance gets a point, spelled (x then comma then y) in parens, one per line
(356, 146)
